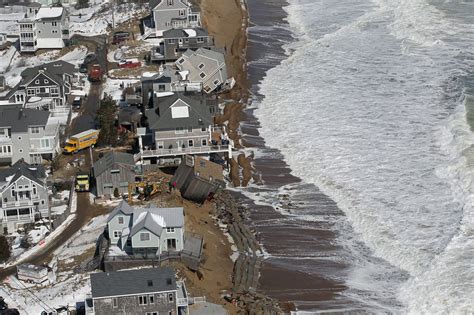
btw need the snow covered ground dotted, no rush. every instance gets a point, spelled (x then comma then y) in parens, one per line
(69, 287)
(112, 87)
(96, 19)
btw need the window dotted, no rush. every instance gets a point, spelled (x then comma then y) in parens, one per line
(144, 236)
(202, 75)
(108, 185)
(170, 230)
(182, 12)
(54, 23)
(160, 144)
(120, 220)
(54, 90)
(180, 61)
(35, 130)
(142, 300)
(30, 92)
(161, 88)
(190, 143)
(34, 189)
(114, 171)
(170, 41)
(200, 39)
(42, 202)
(115, 302)
(37, 81)
(21, 150)
(203, 142)
(46, 81)
(45, 143)
(201, 66)
(152, 313)
(170, 2)
(117, 234)
(19, 138)
(216, 83)
(170, 297)
(179, 130)
(151, 298)
(190, 129)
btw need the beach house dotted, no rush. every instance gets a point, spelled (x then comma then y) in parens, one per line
(168, 14)
(24, 196)
(150, 291)
(48, 28)
(205, 67)
(146, 232)
(182, 125)
(28, 134)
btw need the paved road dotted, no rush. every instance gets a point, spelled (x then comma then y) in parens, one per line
(87, 118)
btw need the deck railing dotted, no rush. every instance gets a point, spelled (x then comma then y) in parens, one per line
(183, 151)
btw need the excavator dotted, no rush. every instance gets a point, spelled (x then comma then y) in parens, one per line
(146, 189)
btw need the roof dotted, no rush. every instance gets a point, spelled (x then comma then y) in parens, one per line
(20, 119)
(120, 283)
(188, 32)
(49, 13)
(209, 53)
(110, 159)
(173, 217)
(123, 207)
(161, 117)
(54, 69)
(154, 3)
(21, 168)
(147, 220)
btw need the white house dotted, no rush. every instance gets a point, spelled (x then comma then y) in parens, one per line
(47, 29)
(168, 14)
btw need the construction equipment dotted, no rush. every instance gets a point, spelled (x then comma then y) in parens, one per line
(81, 141)
(145, 190)
(95, 73)
(82, 183)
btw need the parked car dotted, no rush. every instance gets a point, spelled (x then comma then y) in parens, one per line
(129, 63)
(83, 68)
(89, 58)
(76, 103)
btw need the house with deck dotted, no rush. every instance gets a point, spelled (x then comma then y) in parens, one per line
(114, 172)
(48, 28)
(146, 232)
(205, 67)
(150, 291)
(28, 134)
(168, 14)
(182, 125)
(24, 196)
(178, 40)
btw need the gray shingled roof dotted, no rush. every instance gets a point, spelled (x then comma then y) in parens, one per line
(21, 168)
(146, 218)
(147, 222)
(119, 283)
(122, 207)
(20, 119)
(160, 117)
(154, 3)
(54, 70)
(110, 159)
(174, 217)
(180, 32)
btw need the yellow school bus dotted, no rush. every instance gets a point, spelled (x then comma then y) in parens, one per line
(81, 141)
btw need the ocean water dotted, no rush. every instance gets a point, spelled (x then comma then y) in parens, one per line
(373, 107)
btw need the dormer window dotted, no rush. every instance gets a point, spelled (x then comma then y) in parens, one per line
(201, 66)
(202, 75)
(180, 61)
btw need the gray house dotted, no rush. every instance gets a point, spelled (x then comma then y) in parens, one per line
(146, 232)
(115, 170)
(178, 40)
(43, 87)
(198, 178)
(167, 14)
(48, 28)
(150, 291)
(180, 125)
(24, 196)
(205, 67)
(28, 134)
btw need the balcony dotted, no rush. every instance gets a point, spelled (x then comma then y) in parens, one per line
(27, 48)
(184, 151)
(208, 42)
(19, 203)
